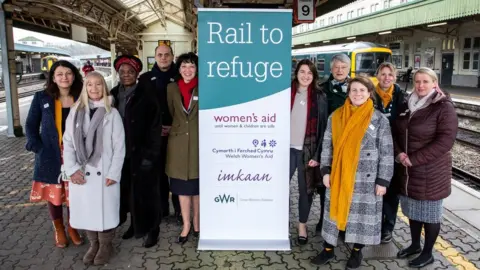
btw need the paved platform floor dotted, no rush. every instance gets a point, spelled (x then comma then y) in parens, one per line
(26, 238)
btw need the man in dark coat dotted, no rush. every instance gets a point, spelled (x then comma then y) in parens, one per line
(335, 89)
(139, 186)
(163, 73)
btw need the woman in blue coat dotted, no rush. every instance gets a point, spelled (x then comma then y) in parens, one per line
(45, 126)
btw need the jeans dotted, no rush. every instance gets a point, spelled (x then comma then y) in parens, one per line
(304, 200)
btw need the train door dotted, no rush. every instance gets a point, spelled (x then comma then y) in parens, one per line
(447, 69)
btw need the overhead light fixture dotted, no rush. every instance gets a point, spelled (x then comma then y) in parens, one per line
(436, 24)
(351, 37)
(326, 41)
(385, 33)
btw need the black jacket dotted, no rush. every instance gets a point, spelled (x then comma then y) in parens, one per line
(391, 112)
(140, 188)
(335, 96)
(159, 80)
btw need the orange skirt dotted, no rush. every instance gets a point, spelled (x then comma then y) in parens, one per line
(57, 194)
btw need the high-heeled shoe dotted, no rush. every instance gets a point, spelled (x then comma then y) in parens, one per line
(183, 239)
(302, 240)
(196, 234)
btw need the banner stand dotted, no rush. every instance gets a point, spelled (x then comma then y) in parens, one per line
(244, 128)
(251, 245)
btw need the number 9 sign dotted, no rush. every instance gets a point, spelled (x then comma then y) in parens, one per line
(304, 11)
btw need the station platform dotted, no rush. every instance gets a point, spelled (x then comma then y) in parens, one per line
(467, 94)
(26, 234)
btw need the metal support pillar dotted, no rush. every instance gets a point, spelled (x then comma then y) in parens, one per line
(140, 55)
(113, 57)
(9, 73)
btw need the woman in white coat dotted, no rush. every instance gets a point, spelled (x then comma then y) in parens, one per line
(94, 150)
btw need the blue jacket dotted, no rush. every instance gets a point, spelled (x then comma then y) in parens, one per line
(42, 138)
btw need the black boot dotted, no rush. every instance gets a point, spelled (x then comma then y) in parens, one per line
(152, 238)
(324, 257)
(355, 259)
(129, 233)
(386, 237)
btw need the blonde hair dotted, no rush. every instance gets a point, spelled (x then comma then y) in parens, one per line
(427, 71)
(389, 65)
(83, 100)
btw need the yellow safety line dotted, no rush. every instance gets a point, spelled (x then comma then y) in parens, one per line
(447, 250)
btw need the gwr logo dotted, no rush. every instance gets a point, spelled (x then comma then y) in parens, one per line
(224, 199)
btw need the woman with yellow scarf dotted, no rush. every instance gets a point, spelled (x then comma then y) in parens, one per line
(45, 126)
(357, 165)
(388, 99)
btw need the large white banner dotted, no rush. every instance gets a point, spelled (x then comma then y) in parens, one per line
(244, 101)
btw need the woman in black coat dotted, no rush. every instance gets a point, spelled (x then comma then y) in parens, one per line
(139, 187)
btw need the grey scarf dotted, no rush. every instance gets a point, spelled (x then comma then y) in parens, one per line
(89, 147)
(416, 103)
(124, 94)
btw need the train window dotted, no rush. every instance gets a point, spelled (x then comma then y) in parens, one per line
(365, 61)
(321, 65)
(368, 62)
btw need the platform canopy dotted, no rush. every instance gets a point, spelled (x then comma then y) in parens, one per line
(36, 49)
(121, 21)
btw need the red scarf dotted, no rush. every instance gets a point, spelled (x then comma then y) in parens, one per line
(311, 108)
(186, 89)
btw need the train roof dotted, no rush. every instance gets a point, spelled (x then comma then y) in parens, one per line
(346, 47)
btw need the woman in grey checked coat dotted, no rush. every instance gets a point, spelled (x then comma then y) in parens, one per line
(366, 171)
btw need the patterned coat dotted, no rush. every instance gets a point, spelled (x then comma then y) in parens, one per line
(375, 166)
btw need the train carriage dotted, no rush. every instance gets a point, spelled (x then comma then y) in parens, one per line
(47, 62)
(365, 57)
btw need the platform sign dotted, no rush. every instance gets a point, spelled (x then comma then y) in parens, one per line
(304, 11)
(244, 102)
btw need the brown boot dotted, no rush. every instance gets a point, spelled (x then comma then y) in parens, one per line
(105, 248)
(74, 236)
(93, 249)
(59, 232)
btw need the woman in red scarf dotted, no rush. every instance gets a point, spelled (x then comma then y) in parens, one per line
(308, 121)
(182, 150)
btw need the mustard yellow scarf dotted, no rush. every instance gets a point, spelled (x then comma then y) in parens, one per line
(58, 121)
(348, 128)
(386, 96)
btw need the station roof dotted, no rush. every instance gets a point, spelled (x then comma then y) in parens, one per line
(35, 49)
(122, 20)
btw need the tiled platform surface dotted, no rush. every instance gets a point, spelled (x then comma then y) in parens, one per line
(26, 239)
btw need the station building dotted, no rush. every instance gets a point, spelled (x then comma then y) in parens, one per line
(441, 34)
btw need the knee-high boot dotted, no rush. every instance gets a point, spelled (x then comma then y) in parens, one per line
(74, 236)
(59, 232)
(105, 249)
(93, 249)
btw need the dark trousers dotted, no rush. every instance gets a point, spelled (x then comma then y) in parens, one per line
(165, 185)
(321, 191)
(305, 199)
(390, 208)
(125, 192)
